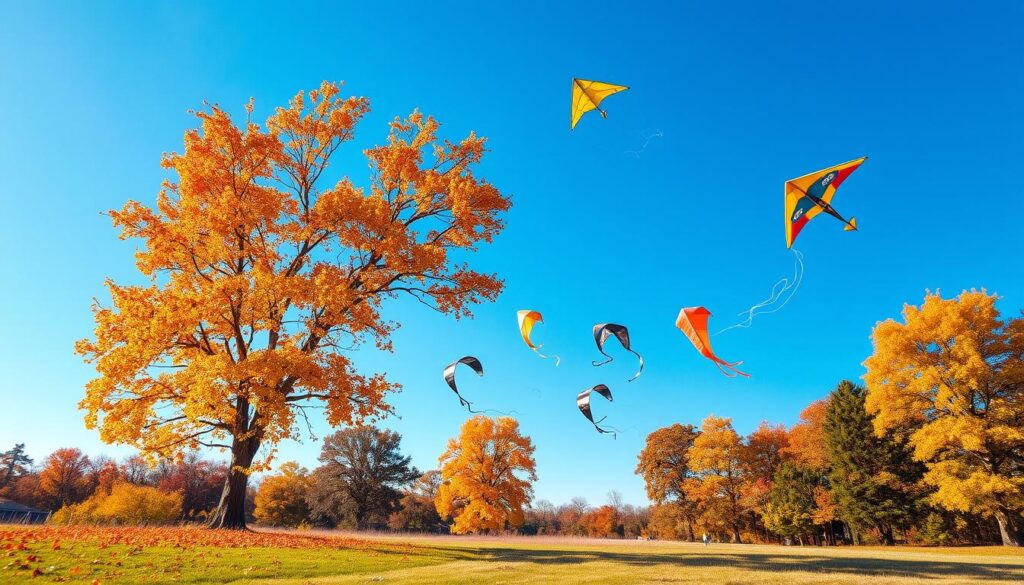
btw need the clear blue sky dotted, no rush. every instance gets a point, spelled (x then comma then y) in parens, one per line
(745, 96)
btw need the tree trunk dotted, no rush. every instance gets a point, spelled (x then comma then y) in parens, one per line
(885, 532)
(736, 534)
(1009, 531)
(230, 511)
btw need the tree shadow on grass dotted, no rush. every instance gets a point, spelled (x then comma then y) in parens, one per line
(761, 561)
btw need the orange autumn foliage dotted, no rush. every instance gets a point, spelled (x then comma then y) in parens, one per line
(281, 498)
(764, 451)
(486, 476)
(600, 522)
(807, 437)
(65, 478)
(261, 272)
(185, 540)
(825, 509)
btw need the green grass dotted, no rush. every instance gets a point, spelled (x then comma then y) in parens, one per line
(490, 560)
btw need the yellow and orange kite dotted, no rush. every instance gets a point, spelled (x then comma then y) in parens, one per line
(527, 319)
(587, 95)
(693, 321)
(809, 195)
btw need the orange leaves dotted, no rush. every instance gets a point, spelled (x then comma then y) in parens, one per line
(261, 274)
(281, 499)
(18, 538)
(64, 478)
(807, 438)
(763, 451)
(664, 463)
(486, 476)
(600, 522)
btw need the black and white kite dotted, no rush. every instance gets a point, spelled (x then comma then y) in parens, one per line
(583, 402)
(449, 376)
(602, 331)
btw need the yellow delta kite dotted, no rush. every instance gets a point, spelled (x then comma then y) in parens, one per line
(587, 95)
(809, 195)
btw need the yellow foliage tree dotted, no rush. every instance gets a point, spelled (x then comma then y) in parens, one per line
(126, 503)
(261, 273)
(281, 498)
(717, 458)
(951, 379)
(486, 476)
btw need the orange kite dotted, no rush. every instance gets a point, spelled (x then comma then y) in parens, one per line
(693, 321)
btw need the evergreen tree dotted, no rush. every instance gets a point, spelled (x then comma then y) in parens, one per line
(13, 464)
(873, 479)
(791, 505)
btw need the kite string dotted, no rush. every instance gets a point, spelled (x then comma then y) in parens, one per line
(780, 288)
(499, 412)
(636, 153)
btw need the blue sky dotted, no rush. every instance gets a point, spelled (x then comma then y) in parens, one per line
(743, 96)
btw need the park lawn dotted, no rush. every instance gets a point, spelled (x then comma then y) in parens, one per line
(188, 555)
(193, 555)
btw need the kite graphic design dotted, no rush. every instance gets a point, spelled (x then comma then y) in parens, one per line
(587, 95)
(449, 376)
(602, 331)
(583, 402)
(809, 195)
(693, 321)
(527, 319)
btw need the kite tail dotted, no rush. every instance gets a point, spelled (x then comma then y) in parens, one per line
(558, 360)
(641, 370)
(607, 361)
(729, 368)
(783, 290)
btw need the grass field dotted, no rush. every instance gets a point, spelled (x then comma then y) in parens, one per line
(188, 555)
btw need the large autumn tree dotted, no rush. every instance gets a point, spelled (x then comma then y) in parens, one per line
(951, 379)
(717, 459)
(664, 464)
(262, 274)
(487, 474)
